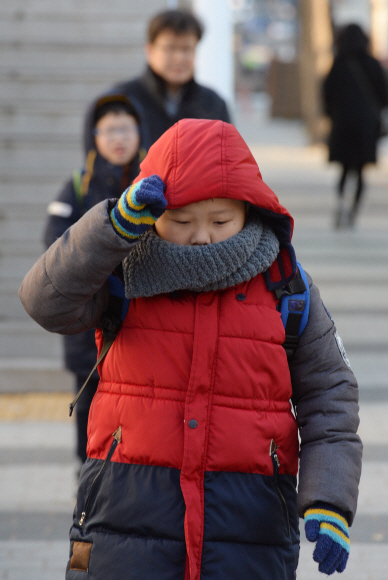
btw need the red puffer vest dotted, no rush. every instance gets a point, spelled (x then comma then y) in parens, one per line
(199, 385)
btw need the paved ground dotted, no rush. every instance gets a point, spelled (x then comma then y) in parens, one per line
(37, 475)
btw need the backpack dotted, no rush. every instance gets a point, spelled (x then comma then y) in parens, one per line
(82, 177)
(294, 305)
(81, 180)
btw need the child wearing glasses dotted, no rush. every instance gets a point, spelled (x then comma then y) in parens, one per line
(110, 167)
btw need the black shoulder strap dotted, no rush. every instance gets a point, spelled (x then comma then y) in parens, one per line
(110, 324)
(105, 347)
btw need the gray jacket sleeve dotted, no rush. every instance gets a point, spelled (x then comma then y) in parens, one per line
(325, 394)
(66, 291)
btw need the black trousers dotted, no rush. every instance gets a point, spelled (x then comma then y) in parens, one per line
(359, 186)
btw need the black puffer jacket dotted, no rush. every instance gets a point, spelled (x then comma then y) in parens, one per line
(106, 181)
(148, 92)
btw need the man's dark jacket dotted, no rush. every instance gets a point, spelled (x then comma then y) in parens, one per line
(148, 94)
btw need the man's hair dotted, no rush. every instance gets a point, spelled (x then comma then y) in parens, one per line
(178, 21)
(114, 104)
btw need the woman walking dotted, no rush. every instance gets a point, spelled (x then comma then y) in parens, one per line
(354, 94)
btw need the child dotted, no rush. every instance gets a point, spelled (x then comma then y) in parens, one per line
(193, 445)
(111, 165)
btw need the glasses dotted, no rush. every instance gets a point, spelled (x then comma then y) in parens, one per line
(170, 49)
(111, 132)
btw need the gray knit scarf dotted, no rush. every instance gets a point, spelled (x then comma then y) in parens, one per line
(156, 266)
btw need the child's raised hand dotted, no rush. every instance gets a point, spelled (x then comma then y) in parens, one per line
(139, 207)
(326, 525)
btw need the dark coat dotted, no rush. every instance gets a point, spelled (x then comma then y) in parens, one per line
(107, 181)
(354, 94)
(147, 94)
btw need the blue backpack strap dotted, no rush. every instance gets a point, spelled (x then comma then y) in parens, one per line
(117, 307)
(117, 293)
(294, 309)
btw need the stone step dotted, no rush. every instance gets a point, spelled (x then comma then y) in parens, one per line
(120, 9)
(361, 332)
(34, 375)
(29, 246)
(33, 125)
(44, 107)
(60, 92)
(25, 158)
(31, 206)
(370, 368)
(103, 31)
(25, 338)
(56, 57)
(56, 63)
(20, 229)
(11, 308)
(41, 190)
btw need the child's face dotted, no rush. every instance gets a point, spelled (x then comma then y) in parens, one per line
(117, 137)
(206, 222)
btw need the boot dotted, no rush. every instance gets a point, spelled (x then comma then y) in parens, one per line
(339, 215)
(352, 216)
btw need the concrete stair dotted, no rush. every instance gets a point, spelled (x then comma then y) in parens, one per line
(56, 57)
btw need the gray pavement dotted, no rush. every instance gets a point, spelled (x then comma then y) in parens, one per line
(37, 475)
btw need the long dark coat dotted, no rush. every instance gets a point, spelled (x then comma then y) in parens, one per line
(353, 111)
(147, 93)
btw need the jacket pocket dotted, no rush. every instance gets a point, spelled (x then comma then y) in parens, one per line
(99, 477)
(276, 464)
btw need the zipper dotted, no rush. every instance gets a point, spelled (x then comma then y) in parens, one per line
(276, 464)
(116, 440)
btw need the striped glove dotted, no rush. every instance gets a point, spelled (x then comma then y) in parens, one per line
(327, 526)
(139, 207)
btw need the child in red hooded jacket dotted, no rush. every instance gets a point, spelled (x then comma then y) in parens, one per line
(193, 445)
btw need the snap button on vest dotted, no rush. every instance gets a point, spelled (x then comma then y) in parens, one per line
(240, 297)
(193, 423)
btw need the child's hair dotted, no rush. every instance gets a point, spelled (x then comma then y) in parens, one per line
(114, 104)
(177, 21)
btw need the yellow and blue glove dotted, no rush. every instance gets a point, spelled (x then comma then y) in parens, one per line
(326, 525)
(139, 207)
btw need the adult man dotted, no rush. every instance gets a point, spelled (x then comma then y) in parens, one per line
(167, 91)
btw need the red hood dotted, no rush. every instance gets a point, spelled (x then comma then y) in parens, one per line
(199, 159)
